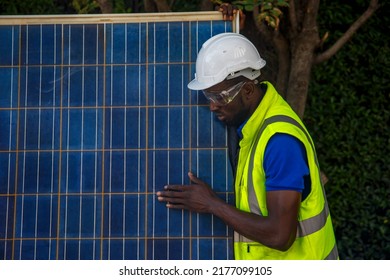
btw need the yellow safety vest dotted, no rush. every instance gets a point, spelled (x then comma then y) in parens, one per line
(315, 236)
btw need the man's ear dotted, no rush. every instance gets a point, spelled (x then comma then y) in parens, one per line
(248, 90)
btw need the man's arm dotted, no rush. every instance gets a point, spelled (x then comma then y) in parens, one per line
(277, 230)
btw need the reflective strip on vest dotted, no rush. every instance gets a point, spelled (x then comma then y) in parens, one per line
(334, 254)
(305, 227)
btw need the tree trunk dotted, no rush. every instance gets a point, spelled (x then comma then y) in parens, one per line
(153, 6)
(105, 6)
(302, 49)
(304, 39)
(162, 6)
(284, 63)
(150, 6)
(206, 5)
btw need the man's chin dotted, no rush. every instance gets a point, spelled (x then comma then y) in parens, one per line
(226, 122)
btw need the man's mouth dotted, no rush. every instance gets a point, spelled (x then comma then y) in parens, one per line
(220, 117)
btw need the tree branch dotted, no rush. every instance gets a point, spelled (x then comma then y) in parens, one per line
(150, 6)
(105, 6)
(261, 27)
(348, 34)
(206, 5)
(162, 5)
(293, 17)
(283, 53)
(281, 47)
(311, 11)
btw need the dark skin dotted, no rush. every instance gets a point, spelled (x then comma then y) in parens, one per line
(278, 229)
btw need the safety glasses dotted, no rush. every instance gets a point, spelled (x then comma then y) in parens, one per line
(224, 97)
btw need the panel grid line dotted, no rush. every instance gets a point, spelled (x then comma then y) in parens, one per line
(139, 144)
(17, 144)
(52, 153)
(60, 151)
(146, 135)
(124, 154)
(103, 144)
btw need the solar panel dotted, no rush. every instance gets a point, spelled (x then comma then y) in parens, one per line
(95, 117)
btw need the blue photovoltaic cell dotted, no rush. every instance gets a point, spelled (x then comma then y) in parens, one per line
(94, 119)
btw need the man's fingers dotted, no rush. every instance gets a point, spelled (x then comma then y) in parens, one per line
(169, 197)
(194, 179)
(174, 188)
(175, 206)
(173, 199)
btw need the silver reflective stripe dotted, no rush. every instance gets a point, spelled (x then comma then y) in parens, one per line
(287, 119)
(334, 254)
(313, 224)
(252, 198)
(307, 226)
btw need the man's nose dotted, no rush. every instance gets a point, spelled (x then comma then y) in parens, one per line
(213, 107)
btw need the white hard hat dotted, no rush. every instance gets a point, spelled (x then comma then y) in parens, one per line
(224, 56)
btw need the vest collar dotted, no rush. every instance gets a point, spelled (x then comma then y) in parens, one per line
(255, 121)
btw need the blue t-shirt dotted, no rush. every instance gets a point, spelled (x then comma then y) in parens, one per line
(285, 164)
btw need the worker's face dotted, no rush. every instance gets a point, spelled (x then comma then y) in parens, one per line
(226, 101)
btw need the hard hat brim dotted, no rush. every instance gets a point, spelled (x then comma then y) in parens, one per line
(196, 85)
(248, 73)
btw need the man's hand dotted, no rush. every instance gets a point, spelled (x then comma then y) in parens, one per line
(197, 197)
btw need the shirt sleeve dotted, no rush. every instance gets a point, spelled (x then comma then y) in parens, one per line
(285, 163)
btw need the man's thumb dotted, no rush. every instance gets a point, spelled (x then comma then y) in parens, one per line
(193, 178)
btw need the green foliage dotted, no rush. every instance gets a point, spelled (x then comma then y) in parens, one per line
(348, 113)
(84, 6)
(269, 10)
(22, 7)
(120, 6)
(185, 5)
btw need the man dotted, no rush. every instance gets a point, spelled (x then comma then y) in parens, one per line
(281, 210)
